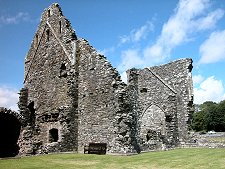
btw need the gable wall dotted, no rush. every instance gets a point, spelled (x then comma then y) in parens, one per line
(51, 86)
(178, 75)
(152, 92)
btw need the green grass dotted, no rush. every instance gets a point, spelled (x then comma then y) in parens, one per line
(200, 158)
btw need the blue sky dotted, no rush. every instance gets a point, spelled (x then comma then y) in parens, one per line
(131, 33)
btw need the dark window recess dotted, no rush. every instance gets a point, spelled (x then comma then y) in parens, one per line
(32, 112)
(92, 68)
(143, 90)
(60, 27)
(115, 86)
(53, 135)
(47, 34)
(49, 13)
(168, 118)
(36, 40)
(63, 72)
(147, 137)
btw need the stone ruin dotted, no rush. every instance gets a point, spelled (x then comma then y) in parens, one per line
(72, 96)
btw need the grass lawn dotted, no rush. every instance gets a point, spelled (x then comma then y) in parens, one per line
(200, 158)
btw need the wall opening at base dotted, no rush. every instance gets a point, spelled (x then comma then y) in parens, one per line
(53, 135)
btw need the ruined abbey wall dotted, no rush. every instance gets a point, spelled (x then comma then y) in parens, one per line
(49, 84)
(72, 96)
(156, 118)
(99, 86)
(178, 75)
(164, 101)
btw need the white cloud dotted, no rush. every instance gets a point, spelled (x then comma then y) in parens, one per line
(189, 18)
(213, 49)
(210, 89)
(107, 51)
(197, 79)
(137, 34)
(154, 53)
(130, 58)
(124, 77)
(209, 21)
(19, 17)
(9, 98)
(182, 25)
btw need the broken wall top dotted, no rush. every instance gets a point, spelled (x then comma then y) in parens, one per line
(53, 22)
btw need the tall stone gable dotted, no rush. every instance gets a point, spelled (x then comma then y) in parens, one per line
(72, 96)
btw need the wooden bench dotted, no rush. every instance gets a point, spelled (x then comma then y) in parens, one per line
(95, 148)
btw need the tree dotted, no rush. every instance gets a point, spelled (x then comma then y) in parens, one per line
(210, 117)
(198, 122)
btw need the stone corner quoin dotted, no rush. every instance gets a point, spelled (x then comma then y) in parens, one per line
(72, 96)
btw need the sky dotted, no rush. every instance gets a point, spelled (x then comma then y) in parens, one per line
(130, 33)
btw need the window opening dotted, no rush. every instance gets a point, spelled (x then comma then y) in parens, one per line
(60, 27)
(32, 112)
(63, 72)
(36, 40)
(143, 90)
(53, 135)
(47, 34)
(49, 13)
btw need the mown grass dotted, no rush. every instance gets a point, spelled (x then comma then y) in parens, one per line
(200, 158)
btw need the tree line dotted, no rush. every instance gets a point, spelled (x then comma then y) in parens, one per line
(209, 116)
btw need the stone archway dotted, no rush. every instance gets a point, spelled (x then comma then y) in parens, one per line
(152, 127)
(9, 131)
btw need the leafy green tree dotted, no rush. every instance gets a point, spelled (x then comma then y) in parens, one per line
(198, 122)
(209, 116)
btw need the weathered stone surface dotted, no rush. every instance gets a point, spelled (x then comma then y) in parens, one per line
(164, 97)
(72, 96)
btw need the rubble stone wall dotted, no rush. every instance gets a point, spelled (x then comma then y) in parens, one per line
(100, 100)
(178, 75)
(49, 83)
(156, 111)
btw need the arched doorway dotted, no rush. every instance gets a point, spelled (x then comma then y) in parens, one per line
(152, 127)
(9, 132)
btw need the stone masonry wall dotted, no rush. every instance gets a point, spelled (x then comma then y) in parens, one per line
(50, 83)
(156, 111)
(178, 75)
(101, 102)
